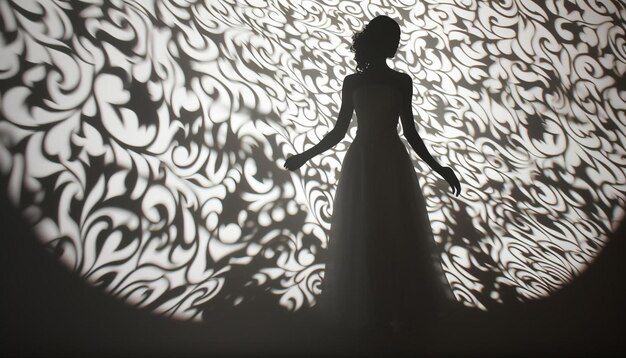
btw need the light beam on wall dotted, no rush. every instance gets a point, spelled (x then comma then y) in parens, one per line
(144, 140)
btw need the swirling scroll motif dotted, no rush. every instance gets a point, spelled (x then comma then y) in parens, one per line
(143, 139)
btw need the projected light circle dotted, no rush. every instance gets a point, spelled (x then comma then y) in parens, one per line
(144, 140)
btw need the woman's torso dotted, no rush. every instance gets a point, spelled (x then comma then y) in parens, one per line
(377, 98)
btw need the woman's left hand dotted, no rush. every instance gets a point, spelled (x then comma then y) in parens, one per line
(448, 174)
(296, 161)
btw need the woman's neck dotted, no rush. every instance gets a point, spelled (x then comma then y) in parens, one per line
(378, 64)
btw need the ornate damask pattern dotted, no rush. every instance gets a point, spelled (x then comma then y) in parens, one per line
(144, 140)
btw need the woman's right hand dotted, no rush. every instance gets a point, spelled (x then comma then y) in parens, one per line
(295, 161)
(448, 174)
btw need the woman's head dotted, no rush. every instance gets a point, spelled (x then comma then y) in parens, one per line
(378, 40)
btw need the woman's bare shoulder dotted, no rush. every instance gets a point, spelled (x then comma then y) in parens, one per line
(353, 77)
(401, 76)
(352, 80)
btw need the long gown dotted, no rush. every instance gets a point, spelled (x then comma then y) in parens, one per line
(380, 270)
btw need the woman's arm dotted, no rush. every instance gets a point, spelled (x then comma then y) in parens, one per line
(416, 142)
(335, 135)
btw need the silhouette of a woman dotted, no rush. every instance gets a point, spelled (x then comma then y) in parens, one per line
(380, 272)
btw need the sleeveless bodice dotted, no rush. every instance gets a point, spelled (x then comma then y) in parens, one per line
(377, 110)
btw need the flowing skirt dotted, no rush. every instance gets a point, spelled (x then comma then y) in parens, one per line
(380, 266)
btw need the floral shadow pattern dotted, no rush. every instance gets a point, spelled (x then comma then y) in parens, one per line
(143, 140)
